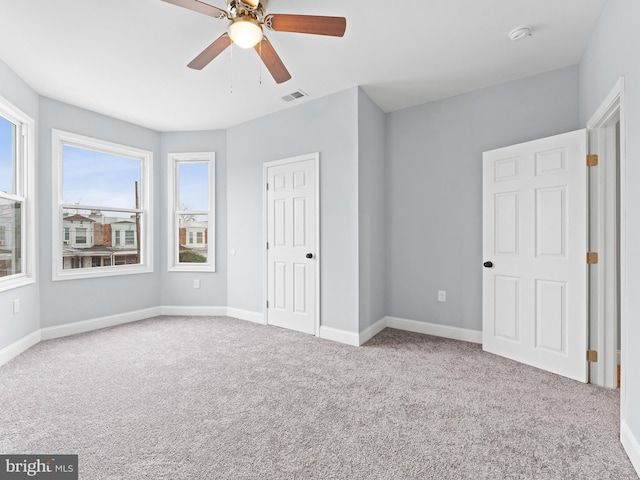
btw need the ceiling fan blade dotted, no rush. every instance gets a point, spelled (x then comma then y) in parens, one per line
(211, 52)
(200, 7)
(272, 61)
(316, 25)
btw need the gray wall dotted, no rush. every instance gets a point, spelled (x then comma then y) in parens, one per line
(371, 210)
(177, 287)
(329, 126)
(434, 188)
(75, 300)
(13, 327)
(613, 52)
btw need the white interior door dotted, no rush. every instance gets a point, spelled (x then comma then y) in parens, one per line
(291, 225)
(535, 209)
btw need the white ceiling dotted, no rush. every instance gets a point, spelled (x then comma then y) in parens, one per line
(127, 58)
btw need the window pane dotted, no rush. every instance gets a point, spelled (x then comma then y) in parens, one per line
(10, 237)
(193, 186)
(7, 156)
(193, 238)
(100, 179)
(100, 239)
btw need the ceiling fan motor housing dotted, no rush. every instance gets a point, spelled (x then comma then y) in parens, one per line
(247, 8)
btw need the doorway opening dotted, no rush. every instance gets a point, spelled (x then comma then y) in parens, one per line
(606, 237)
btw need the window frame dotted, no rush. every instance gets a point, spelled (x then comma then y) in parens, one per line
(60, 139)
(25, 193)
(173, 210)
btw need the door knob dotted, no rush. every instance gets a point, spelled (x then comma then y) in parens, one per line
(309, 255)
(488, 264)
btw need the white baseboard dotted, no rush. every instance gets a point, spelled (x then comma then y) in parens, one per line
(16, 348)
(193, 311)
(631, 445)
(97, 323)
(342, 336)
(247, 315)
(455, 333)
(328, 333)
(372, 331)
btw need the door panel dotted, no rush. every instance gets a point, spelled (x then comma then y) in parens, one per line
(291, 234)
(535, 235)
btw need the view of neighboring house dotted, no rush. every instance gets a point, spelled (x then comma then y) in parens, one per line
(97, 240)
(9, 254)
(193, 237)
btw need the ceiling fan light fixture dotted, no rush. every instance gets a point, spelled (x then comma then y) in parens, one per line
(245, 32)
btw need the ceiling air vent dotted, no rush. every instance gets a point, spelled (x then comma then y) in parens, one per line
(294, 96)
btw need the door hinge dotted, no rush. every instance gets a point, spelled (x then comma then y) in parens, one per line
(592, 160)
(267, 186)
(592, 258)
(267, 245)
(267, 303)
(592, 356)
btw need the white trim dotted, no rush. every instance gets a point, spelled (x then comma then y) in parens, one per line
(631, 445)
(265, 276)
(254, 317)
(19, 346)
(370, 332)
(27, 193)
(613, 104)
(455, 333)
(341, 336)
(172, 209)
(59, 139)
(603, 238)
(84, 326)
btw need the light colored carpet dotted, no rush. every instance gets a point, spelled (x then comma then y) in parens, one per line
(217, 398)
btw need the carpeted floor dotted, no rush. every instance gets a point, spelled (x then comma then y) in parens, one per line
(217, 398)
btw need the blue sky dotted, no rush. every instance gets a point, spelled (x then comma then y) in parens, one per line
(99, 179)
(193, 186)
(6, 160)
(104, 180)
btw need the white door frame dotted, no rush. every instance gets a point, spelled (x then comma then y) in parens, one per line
(603, 302)
(265, 277)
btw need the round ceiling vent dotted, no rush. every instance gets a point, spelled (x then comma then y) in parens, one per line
(519, 33)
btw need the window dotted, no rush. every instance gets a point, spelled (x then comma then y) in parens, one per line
(102, 194)
(81, 235)
(17, 187)
(191, 205)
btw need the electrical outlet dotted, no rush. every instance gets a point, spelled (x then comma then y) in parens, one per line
(196, 284)
(442, 296)
(16, 305)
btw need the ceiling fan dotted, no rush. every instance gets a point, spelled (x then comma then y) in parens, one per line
(247, 18)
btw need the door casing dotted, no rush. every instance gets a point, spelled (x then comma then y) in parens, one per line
(603, 297)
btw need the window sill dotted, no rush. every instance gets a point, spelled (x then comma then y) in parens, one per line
(192, 268)
(16, 282)
(99, 272)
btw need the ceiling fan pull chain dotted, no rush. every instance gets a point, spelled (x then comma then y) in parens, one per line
(231, 70)
(260, 63)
